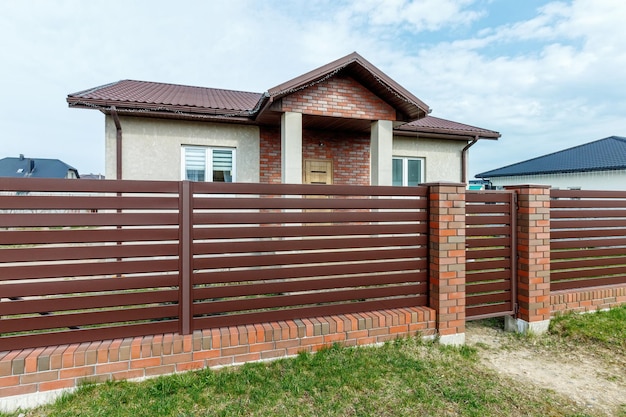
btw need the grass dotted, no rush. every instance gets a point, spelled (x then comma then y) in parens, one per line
(406, 377)
(605, 328)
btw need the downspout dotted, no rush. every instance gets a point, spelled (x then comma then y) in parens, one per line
(464, 159)
(118, 144)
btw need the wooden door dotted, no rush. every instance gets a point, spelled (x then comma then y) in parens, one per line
(318, 171)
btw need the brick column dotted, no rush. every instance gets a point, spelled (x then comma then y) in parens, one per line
(447, 260)
(533, 265)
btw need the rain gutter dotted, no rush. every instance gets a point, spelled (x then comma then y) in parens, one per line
(118, 143)
(464, 159)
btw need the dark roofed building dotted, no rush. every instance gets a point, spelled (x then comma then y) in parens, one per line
(22, 167)
(600, 164)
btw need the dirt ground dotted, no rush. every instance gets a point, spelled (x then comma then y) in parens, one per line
(596, 379)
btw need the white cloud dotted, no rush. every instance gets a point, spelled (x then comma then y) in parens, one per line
(552, 79)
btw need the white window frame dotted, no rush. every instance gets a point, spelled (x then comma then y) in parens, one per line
(405, 168)
(208, 157)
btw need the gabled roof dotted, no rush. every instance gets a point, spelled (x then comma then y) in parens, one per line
(435, 125)
(367, 74)
(34, 168)
(188, 102)
(601, 155)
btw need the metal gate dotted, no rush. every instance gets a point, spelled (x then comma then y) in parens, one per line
(491, 271)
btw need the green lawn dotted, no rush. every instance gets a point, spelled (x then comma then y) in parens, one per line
(407, 377)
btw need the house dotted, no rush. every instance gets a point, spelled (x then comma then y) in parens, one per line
(343, 123)
(597, 165)
(36, 168)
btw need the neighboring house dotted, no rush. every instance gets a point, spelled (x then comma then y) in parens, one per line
(598, 165)
(343, 123)
(36, 168)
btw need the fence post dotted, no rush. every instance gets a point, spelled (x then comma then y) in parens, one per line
(185, 257)
(447, 259)
(533, 262)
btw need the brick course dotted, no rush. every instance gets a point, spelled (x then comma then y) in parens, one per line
(165, 354)
(339, 96)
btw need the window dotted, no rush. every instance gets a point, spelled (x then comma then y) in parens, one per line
(408, 171)
(208, 164)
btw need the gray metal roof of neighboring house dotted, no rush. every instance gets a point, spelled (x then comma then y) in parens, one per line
(600, 155)
(34, 168)
(158, 96)
(436, 125)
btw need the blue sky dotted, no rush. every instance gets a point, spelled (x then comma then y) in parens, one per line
(547, 75)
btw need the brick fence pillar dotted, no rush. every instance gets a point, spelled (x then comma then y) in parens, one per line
(533, 265)
(447, 259)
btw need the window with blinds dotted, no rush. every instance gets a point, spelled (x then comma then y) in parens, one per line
(208, 164)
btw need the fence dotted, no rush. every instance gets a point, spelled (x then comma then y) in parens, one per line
(105, 280)
(588, 239)
(160, 257)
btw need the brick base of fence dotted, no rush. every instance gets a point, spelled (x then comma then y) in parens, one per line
(587, 299)
(31, 376)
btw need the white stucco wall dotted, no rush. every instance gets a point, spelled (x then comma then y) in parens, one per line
(600, 180)
(151, 148)
(442, 157)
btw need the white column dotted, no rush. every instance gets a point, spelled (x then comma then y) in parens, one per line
(291, 147)
(381, 151)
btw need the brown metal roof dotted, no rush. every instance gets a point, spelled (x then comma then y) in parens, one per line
(160, 96)
(366, 73)
(430, 124)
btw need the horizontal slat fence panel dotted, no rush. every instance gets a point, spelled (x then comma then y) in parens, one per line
(87, 260)
(284, 251)
(90, 260)
(588, 238)
(490, 268)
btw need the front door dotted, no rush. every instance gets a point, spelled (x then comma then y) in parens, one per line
(318, 171)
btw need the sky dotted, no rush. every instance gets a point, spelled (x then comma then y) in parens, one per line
(547, 75)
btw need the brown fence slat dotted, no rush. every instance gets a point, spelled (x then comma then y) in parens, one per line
(314, 244)
(87, 335)
(587, 283)
(233, 203)
(281, 301)
(307, 231)
(88, 318)
(301, 258)
(417, 266)
(86, 252)
(29, 306)
(35, 237)
(60, 202)
(306, 285)
(87, 219)
(63, 286)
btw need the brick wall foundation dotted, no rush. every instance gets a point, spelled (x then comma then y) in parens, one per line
(34, 371)
(587, 299)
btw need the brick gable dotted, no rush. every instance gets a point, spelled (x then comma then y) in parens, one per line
(339, 96)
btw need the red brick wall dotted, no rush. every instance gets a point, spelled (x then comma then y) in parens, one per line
(270, 163)
(349, 151)
(533, 244)
(587, 299)
(447, 256)
(339, 96)
(31, 371)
